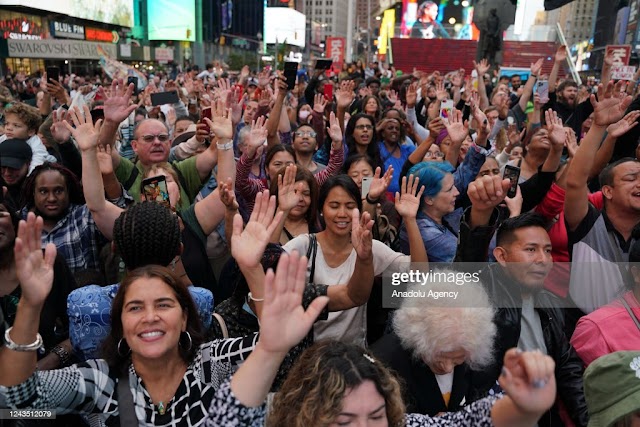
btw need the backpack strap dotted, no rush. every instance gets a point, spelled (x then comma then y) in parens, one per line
(183, 181)
(132, 178)
(126, 410)
(311, 254)
(631, 313)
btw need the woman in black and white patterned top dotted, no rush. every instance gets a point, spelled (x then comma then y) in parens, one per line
(155, 344)
(337, 383)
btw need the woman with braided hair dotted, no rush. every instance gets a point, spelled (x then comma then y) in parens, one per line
(195, 222)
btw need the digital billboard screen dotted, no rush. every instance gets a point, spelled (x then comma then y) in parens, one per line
(117, 12)
(172, 20)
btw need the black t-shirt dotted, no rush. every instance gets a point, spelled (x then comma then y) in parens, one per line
(571, 116)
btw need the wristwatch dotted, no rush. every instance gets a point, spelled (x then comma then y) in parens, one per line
(225, 146)
(63, 354)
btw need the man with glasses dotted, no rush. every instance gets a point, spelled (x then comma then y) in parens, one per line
(305, 145)
(152, 145)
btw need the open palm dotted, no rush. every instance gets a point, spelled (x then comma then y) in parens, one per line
(380, 184)
(609, 108)
(248, 245)
(85, 132)
(284, 321)
(287, 198)
(33, 268)
(361, 236)
(117, 104)
(408, 200)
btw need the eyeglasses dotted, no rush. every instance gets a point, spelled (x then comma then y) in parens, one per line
(302, 133)
(148, 139)
(364, 127)
(436, 155)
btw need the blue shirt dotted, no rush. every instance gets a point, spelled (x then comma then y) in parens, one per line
(397, 162)
(440, 241)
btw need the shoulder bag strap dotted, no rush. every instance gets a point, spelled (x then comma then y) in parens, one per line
(311, 254)
(631, 313)
(223, 325)
(132, 178)
(125, 401)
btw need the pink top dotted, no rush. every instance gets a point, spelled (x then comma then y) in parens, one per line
(607, 330)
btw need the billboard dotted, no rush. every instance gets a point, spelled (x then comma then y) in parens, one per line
(336, 50)
(284, 24)
(172, 20)
(117, 12)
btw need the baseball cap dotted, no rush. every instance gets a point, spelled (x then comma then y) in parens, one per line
(252, 81)
(14, 153)
(612, 387)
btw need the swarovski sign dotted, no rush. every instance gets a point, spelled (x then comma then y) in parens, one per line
(58, 49)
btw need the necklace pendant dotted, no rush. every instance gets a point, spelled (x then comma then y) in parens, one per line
(161, 408)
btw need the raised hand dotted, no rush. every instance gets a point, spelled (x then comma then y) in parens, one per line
(228, 196)
(514, 136)
(248, 245)
(319, 103)
(117, 101)
(561, 54)
(85, 132)
(334, 131)
(235, 106)
(345, 94)
(392, 95)
(379, 184)
(58, 130)
(556, 131)
(616, 130)
(487, 192)
(284, 322)
(441, 92)
(412, 95)
(609, 106)
(287, 197)
(571, 142)
(361, 235)
(457, 130)
(263, 78)
(514, 204)
(33, 268)
(407, 201)
(528, 379)
(105, 162)
(220, 124)
(536, 67)
(435, 127)
(257, 136)
(481, 67)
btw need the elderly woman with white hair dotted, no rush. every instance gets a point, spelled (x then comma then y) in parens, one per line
(439, 347)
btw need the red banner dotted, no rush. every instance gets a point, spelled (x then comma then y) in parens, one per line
(335, 51)
(621, 54)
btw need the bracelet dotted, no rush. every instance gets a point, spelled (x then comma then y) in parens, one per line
(255, 299)
(226, 146)
(11, 345)
(63, 354)
(372, 202)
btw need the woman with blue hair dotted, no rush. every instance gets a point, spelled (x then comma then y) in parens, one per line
(434, 214)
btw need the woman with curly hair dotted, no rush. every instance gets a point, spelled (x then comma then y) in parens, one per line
(342, 384)
(439, 347)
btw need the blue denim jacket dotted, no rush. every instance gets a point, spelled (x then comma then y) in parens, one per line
(440, 240)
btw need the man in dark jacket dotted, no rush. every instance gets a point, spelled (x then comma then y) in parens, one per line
(528, 317)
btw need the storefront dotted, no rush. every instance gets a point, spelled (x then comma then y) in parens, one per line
(21, 26)
(77, 55)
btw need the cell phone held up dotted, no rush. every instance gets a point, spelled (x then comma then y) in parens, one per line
(155, 189)
(162, 98)
(206, 113)
(446, 109)
(291, 73)
(542, 89)
(366, 185)
(53, 73)
(512, 173)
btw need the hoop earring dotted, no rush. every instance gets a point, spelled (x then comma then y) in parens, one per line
(190, 341)
(120, 350)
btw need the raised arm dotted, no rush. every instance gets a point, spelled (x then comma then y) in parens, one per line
(606, 110)
(344, 98)
(560, 57)
(407, 205)
(614, 131)
(531, 81)
(276, 111)
(481, 68)
(117, 107)
(19, 357)
(458, 132)
(86, 135)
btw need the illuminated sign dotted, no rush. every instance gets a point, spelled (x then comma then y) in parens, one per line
(172, 20)
(67, 31)
(98, 35)
(117, 12)
(21, 29)
(283, 24)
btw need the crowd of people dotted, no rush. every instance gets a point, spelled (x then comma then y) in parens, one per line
(222, 260)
